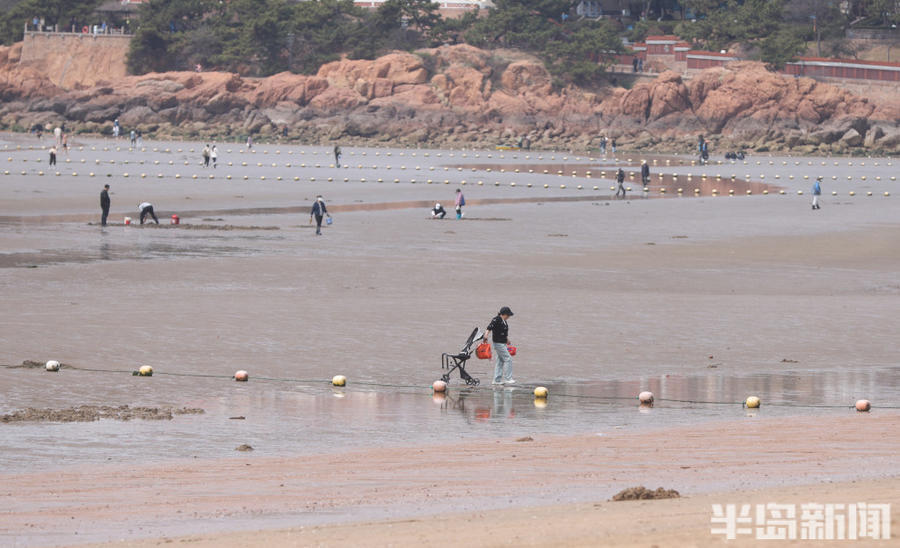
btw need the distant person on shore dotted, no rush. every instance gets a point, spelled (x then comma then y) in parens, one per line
(634, 64)
(104, 204)
(460, 202)
(641, 65)
(249, 142)
(603, 145)
(57, 133)
(499, 330)
(645, 173)
(146, 208)
(620, 178)
(613, 145)
(816, 192)
(214, 154)
(133, 138)
(65, 143)
(337, 156)
(140, 139)
(53, 155)
(116, 129)
(318, 211)
(438, 211)
(205, 154)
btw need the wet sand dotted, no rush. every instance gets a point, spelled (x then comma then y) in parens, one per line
(487, 489)
(704, 301)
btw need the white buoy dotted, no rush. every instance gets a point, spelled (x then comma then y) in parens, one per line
(439, 386)
(339, 380)
(646, 397)
(52, 365)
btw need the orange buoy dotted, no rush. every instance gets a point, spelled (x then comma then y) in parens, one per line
(863, 406)
(241, 376)
(439, 386)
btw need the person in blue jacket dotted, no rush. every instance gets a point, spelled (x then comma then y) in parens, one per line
(816, 192)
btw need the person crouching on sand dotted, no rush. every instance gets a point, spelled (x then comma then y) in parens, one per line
(499, 330)
(438, 212)
(146, 208)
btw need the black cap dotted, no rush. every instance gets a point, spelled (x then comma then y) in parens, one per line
(506, 311)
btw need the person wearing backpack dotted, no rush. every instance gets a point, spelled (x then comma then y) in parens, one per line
(460, 202)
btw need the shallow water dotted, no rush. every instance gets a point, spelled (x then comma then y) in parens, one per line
(284, 416)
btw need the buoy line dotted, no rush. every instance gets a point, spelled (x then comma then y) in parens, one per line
(341, 381)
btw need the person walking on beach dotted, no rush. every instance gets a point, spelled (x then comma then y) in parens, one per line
(499, 330)
(53, 155)
(620, 178)
(460, 202)
(318, 211)
(645, 173)
(146, 208)
(214, 154)
(205, 153)
(816, 192)
(337, 156)
(104, 204)
(65, 143)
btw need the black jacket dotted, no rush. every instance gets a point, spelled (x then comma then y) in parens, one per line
(499, 330)
(319, 209)
(104, 199)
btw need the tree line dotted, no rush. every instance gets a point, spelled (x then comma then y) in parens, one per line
(264, 37)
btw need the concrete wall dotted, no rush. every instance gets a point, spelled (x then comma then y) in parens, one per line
(73, 60)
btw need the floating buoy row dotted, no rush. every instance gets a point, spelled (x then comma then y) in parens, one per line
(646, 397)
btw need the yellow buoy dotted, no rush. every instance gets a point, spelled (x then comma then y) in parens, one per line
(339, 380)
(540, 392)
(145, 371)
(752, 402)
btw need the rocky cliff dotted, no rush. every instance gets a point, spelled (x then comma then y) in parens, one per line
(463, 96)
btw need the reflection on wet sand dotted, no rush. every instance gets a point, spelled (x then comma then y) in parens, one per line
(698, 181)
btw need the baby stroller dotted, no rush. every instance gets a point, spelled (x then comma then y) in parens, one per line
(458, 361)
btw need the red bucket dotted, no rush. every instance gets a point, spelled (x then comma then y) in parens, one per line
(175, 220)
(483, 351)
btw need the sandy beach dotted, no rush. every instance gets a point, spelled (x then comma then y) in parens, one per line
(703, 300)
